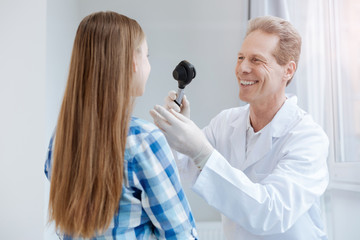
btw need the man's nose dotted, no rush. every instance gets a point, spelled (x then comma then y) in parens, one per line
(244, 66)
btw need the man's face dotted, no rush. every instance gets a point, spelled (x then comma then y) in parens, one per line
(261, 79)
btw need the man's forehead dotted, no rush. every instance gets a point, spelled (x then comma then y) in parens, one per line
(259, 43)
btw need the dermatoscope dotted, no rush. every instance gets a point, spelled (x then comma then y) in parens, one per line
(184, 72)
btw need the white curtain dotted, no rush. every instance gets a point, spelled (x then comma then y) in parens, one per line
(278, 8)
(313, 77)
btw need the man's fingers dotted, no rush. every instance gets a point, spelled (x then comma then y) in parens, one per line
(172, 95)
(165, 114)
(159, 121)
(185, 103)
(169, 101)
(179, 115)
(170, 104)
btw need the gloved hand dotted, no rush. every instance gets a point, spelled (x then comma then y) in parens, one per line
(170, 104)
(182, 134)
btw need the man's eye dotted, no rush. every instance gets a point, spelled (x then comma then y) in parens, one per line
(241, 58)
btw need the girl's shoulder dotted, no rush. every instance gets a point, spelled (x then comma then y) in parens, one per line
(143, 134)
(139, 126)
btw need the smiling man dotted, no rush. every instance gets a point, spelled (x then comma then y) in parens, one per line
(263, 165)
(262, 76)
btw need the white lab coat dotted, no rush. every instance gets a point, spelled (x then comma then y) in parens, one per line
(274, 193)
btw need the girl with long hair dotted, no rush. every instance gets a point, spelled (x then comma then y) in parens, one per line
(112, 175)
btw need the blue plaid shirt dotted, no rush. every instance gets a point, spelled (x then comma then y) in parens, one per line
(153, 204)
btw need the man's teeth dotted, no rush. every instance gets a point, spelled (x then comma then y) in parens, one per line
(243, 82)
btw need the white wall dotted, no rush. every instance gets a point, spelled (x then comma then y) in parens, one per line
(61, 24)
(22, 106)
(206, 33)
(343, 214)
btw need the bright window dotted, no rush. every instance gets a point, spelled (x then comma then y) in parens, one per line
(328, 79)
(348, 78)
(345, 64)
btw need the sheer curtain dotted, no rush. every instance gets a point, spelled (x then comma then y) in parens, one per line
(327, 81)
(313, 76)
(348, 73)
(278, 8)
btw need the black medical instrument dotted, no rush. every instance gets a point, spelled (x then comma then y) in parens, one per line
(184, 72)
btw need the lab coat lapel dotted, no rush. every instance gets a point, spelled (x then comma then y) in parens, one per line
(237, 141)
(283, 120)
(262, 146)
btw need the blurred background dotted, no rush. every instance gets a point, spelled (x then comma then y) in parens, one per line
(35, 48)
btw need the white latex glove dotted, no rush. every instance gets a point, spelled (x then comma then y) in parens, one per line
(182, 134)
(170, 104)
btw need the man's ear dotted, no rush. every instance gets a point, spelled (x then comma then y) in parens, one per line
(289, 70)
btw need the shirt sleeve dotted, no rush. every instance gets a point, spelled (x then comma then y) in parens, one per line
(47, 167)
(163, 198)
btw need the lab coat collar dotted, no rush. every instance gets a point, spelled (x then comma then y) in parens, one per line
(284, 118)
(287, 116)
(284, 115)
(238, 138)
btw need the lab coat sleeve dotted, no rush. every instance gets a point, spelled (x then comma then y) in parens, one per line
(187, 169)
(273, 205)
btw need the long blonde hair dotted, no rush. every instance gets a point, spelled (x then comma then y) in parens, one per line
(87, 174)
